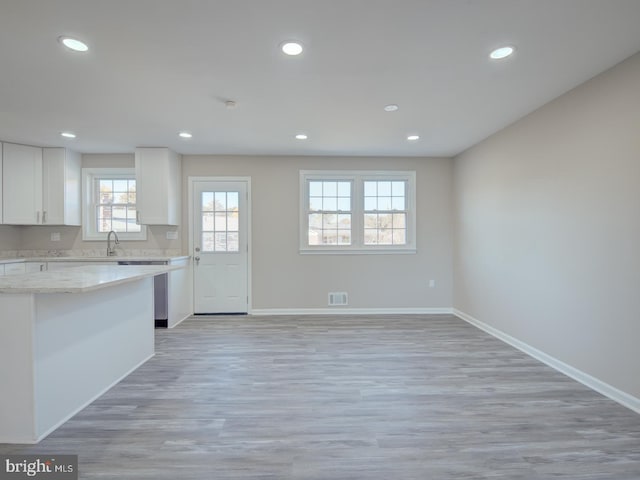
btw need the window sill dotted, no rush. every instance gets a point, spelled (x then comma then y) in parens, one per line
(358, 251)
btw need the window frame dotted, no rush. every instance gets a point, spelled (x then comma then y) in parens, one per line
(89, 177)
(357, 179)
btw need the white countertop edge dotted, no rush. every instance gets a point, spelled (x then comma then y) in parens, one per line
(93, 259)
(80, 279)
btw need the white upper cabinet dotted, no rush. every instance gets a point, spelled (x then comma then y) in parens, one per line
(1, 190)
(21, 184)
(158, 186)
(61, 187)
(40, 186)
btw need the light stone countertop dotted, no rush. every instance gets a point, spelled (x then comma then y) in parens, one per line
(93, 259)
(79, 279)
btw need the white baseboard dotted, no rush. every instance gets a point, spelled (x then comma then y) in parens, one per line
(352, 311)
(599, 386)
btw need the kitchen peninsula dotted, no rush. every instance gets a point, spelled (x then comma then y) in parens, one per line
(68, 336)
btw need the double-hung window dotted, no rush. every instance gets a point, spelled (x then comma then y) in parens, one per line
(357, 212)
(110, 204)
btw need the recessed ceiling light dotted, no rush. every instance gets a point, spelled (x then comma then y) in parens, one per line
(301, 136)
(68, 134)
(500, 53)
(413, 138)
(392, 107)
(291, 48)
(73, 44)
(185, 135)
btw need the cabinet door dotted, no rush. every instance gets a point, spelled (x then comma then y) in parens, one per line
(61, 187)
(1, 273)
(22, 184)
(158, 177)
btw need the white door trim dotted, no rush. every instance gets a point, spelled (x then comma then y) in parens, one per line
(190, 183)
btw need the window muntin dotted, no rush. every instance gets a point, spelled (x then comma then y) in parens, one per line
(220, 225)
(357, 212)
(109, 203)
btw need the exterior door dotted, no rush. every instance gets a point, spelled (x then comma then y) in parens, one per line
(220, 246)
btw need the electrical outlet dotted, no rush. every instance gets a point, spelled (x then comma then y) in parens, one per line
(172, 235)
(55, 236)
(432, 283)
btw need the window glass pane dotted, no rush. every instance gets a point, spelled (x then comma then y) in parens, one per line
(105, 185)
(232, 201)
(399, 220)
(118, 218)
(315, 203)
(384, 189)
(384, 220)
(370, 189)
(207, 242)
(384, 203)
(220, 201)
(385, 236)
(106, 197)
(344, 189)
(233, 242)
(344, 222)
(397, 189)
(330, 237)
(370, 236)
(399, 237)
(344, 204)
(344, 237)
(220, 241)
(370, 220)
(315, 189)
(329, 221)
(315, 236)
(330, 204)
(397, 203)
(315, 220)
(207, 221)
(232, 222)
(120, 186)
(370, 203)
(207, 201)
(330, 189)
(220, 220)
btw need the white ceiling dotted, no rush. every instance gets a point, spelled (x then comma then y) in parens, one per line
(159, 66)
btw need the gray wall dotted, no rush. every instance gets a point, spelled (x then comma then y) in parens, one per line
(284, 279)
(547, 221)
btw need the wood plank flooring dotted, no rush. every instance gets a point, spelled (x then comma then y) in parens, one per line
(352, 397)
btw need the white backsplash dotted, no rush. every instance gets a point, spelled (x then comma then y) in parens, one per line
(93, 252)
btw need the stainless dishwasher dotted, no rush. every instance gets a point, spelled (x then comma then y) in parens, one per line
(160, 289)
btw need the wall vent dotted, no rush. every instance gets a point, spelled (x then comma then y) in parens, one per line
(338, 298)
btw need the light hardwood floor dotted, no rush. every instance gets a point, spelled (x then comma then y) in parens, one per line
(351, 397)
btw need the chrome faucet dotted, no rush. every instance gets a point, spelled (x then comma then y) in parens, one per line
(111, 250)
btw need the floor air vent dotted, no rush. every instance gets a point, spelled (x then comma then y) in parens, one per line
(338, 298)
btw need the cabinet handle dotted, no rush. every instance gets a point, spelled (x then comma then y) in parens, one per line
(44, 216)
(38, 216)
(137, 217)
